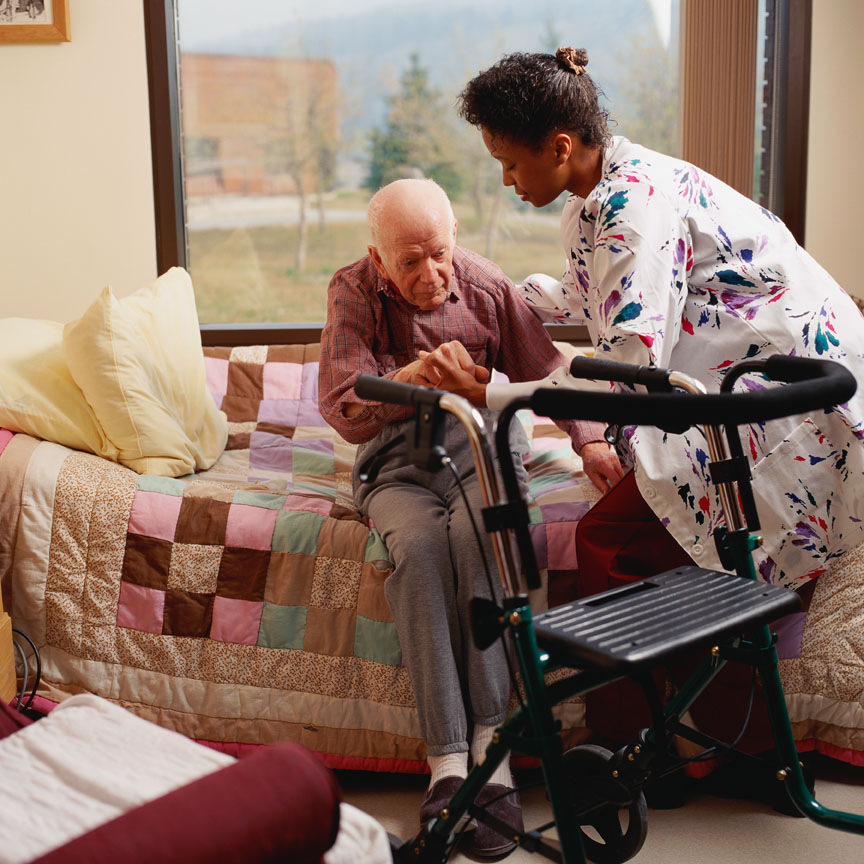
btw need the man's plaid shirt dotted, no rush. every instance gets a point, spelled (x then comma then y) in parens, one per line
(372, 329)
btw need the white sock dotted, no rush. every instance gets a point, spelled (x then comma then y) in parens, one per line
(479, 742)
(448, 765)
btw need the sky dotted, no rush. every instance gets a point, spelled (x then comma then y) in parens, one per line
(212, 20)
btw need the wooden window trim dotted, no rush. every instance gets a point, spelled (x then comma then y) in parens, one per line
(302, 334)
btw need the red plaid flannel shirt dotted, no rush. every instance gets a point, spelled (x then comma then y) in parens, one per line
(371, 329)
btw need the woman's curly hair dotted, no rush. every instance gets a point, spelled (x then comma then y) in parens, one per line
(528, 97)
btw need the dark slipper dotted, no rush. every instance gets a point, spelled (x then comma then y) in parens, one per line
(502, 802)
(437, 798)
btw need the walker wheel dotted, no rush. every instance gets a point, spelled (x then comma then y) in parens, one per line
(614, 830)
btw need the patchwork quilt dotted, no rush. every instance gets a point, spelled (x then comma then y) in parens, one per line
(244, 604)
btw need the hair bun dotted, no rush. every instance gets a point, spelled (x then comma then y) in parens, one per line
(574, 59)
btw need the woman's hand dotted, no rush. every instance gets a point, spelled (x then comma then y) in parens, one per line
(600, 462)
(457, 372)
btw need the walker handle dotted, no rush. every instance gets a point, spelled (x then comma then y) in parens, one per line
(814, 384)
(653, 377)
(377, 389)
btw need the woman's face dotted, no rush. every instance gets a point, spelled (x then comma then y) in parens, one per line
(536, 177)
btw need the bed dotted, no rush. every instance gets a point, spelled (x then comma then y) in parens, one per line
(243, 605)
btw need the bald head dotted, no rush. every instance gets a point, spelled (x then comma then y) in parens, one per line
(413, 234)
(407, 205)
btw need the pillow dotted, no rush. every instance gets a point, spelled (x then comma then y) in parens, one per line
(37, 393)
(139, 363)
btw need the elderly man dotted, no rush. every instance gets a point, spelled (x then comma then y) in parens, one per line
(414, 291)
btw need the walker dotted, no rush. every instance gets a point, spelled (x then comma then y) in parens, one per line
(630, 630)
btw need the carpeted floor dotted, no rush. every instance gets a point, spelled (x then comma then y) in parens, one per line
(706, 830)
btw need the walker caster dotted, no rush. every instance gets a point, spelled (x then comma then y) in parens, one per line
(598, 800)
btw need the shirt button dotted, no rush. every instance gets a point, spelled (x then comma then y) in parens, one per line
(650, 493)
(697, 550)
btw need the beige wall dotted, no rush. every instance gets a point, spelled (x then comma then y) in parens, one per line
(76, 193)
(834, 232)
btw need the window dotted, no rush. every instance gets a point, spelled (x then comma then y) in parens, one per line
(273, 123)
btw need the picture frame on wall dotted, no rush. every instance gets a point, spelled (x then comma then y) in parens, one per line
(34, 21)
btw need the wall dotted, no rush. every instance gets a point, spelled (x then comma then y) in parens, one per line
(76, 188)
(76, 198)
(835, 186)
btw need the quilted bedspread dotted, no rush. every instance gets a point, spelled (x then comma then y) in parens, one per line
(242, 605)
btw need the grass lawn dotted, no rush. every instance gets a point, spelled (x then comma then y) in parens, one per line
(248, 275)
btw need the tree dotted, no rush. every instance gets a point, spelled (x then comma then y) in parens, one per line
(304, 143)
(649, 95)
(419, 135)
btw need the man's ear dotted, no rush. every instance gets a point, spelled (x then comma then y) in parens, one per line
(562, 145)
(377, 261)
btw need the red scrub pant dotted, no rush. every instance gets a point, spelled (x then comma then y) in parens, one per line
(621, 540)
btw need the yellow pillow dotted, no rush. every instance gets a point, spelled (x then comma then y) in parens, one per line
(140, 365)
(37, 393)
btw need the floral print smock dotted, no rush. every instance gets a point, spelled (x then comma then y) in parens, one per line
(668, 266)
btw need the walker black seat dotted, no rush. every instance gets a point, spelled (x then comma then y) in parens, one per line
(654, 620)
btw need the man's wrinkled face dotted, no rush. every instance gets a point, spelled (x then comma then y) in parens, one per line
(418, 259)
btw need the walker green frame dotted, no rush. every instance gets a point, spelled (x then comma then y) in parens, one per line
(531, 729)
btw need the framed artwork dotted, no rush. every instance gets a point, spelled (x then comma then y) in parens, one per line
(34, 21)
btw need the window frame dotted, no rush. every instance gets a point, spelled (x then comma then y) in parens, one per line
(160, 27)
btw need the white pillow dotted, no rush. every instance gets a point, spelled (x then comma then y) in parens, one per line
(37, 393)
(139, 363)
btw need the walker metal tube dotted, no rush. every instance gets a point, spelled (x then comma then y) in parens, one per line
(718, 452)
(472, 420)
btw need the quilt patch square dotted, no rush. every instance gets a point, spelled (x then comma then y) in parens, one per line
(270, 452)
(282, 627)
(309, 460)
(377, 641)
(146, 561)
(330, 631)
(194, 567)
(308, 504)
(272, 501)
(336, 583)
(216, 370)
(343, 539)
(140, 608)
(245, 379)
(297, 532)
(289, 579)
(281, 380)
(561, 548)
(240, 409)
(541, 549)
(371, 602)
(282, 412)
(202, 521)
(309, 386)
(236, 620)
(243, 573)
(250, 527)
(287, 353)
(564, 512)
(187, 614)
(165, 485)
(154, 514)
(308, 415)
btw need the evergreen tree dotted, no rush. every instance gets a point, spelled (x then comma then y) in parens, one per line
(419, 138)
